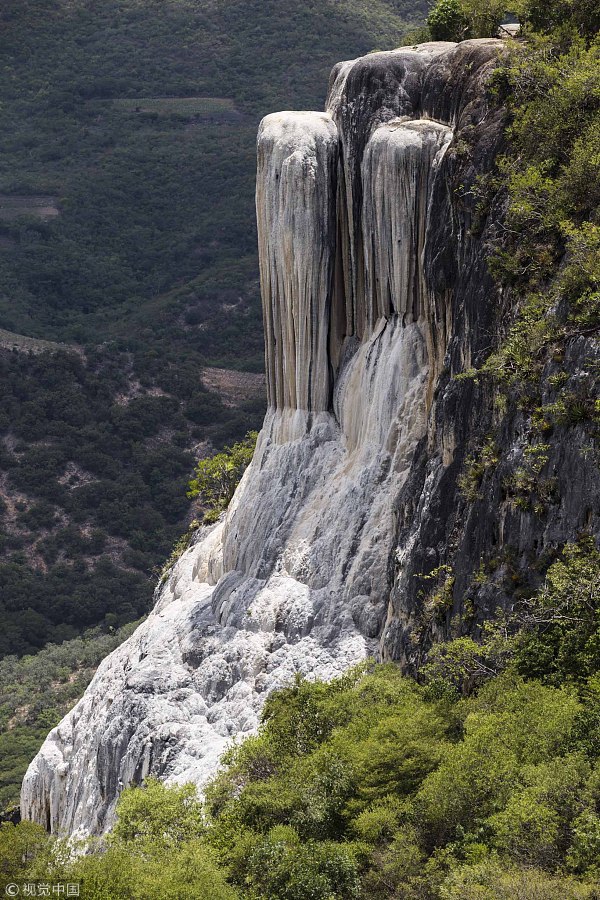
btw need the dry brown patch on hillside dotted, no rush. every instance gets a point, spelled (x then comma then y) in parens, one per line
(10, 340)
(14, 207)
(234, 387)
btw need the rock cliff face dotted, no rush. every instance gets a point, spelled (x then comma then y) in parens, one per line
(375, 293)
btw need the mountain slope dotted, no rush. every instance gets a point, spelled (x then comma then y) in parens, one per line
(127, 235)
(153, 197)
(127, 225)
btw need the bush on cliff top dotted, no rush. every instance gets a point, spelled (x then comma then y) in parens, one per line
(459, 20)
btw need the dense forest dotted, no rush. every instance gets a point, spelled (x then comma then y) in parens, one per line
(95, 486)
(127, 232)
(127, 265)
(137, 123)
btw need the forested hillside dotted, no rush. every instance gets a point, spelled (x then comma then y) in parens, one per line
(136, 121)
(127, 228)
(37, 690)
(468, 785)
(129, 284)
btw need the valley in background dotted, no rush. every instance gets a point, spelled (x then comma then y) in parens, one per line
(128, 267)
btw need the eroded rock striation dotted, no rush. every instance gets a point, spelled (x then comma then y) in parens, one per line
(375, 292)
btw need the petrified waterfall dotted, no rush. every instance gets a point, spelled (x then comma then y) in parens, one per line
(361, 258)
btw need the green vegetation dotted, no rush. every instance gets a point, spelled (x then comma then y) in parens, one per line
(156, 851)
(459, 20)
(37, 691)
(476, 465)
(374, 786)
(140, 118)
(127, 229)
(217, 477)
(550, 249)
(553, 635)
(480, 779)
(447, 21)
(96, 465)
(554, 187)
(436, 605)
(547, 254)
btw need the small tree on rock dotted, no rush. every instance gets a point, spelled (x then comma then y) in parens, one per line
(217, 477)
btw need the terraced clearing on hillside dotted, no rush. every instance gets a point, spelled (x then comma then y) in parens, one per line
(10, 340)
(235, 387)
(14, 207)
(187, 107)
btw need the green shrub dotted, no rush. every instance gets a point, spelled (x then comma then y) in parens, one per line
(158, 816)
(448, 22)
(457, 20)
(282, 867)
(217, 477)
(495, 880)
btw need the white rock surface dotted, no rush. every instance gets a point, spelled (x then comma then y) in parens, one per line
(400, 161)
(295, 203)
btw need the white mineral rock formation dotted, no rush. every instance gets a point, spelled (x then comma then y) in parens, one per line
(295, 205)
(296, 578)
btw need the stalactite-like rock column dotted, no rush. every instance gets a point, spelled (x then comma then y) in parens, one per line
(364, 94)
(400, 163)
(295, 203)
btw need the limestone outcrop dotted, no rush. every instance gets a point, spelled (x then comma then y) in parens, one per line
(374, 289)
